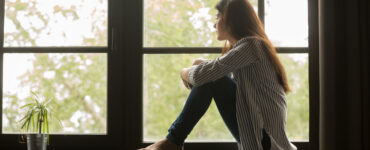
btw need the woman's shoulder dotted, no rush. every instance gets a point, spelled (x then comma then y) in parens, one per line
(251, 45)
(249, 40)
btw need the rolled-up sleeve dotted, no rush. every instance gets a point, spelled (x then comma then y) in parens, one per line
(243, 54)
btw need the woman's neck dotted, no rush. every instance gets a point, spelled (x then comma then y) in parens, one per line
(232, 41)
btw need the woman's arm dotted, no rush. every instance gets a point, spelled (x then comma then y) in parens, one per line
(185, 72)
(242, 55)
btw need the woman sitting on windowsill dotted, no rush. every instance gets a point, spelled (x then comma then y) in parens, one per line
(252, 101)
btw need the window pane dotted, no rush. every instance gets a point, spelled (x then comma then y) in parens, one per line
(296, 67)
(55, 23)
(163, 90)
(287, 22)
(180, 23)
(77, 83)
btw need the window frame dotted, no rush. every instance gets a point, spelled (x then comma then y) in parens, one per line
(125, 53)
(75, 141)
(311, 50)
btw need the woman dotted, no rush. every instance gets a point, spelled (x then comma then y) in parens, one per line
(252, 101)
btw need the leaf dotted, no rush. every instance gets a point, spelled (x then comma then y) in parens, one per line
(24, 122)
(47, 102)
(33, 119)
(25, 117)
(38, 122)
(43, 127)
(46, 121)
(28, 123)
(34, 94)
(27, 105)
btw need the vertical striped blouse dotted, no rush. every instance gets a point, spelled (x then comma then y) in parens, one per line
(260, 99)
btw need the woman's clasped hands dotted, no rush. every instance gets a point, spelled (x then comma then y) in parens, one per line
(185, 72)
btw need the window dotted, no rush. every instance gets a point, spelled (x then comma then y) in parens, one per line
(107, 62)
(175, 32)
(61, 50)
(76, 80)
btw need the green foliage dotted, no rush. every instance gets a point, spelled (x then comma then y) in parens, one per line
(36, 112)
(297, 100)
(173, 23)
(79, 84)
(38, 115)
(78, 87)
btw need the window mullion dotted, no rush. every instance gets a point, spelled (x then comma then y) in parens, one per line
(55, 49)
(217, 50)
(261, 11)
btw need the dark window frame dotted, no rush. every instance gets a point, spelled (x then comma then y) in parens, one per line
(311, 51)
(125, 86)
(74, 141)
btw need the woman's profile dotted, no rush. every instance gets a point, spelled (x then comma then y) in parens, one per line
(248, 84)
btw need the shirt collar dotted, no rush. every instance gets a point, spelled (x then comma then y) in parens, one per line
(242, 40)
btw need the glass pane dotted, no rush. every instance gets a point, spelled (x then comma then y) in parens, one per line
(286, 22)
(163, 90)
(55, 23)
(76, 83)
(296, 67)
(180, 23)
(255, 5)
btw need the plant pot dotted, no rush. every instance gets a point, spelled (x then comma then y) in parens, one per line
(37, 141)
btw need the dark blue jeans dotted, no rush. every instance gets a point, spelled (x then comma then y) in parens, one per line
(223, 91)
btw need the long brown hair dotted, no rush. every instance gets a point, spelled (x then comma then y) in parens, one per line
(242, 21)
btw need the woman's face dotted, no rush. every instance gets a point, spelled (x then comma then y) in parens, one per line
(220, 28)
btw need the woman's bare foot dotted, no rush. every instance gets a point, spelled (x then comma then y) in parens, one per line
(164, 144)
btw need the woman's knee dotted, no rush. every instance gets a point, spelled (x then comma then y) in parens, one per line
(224, 83)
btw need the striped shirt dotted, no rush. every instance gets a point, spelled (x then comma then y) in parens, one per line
(260, 99)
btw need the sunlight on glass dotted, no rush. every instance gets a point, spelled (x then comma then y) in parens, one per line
(77, 83)
(255, 5)
(286, 22)
(187, 23)
(55, 23)
(296, 67)
(164, 90)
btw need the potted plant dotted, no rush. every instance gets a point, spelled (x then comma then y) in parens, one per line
(36, 122)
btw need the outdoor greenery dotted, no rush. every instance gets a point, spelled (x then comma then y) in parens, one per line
(78, 82)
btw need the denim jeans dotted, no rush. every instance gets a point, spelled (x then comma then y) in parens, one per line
(223, 91)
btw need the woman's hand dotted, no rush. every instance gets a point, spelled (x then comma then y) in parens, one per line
(187, 84)
(197, 61)
(185, 74)
(185, 77)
